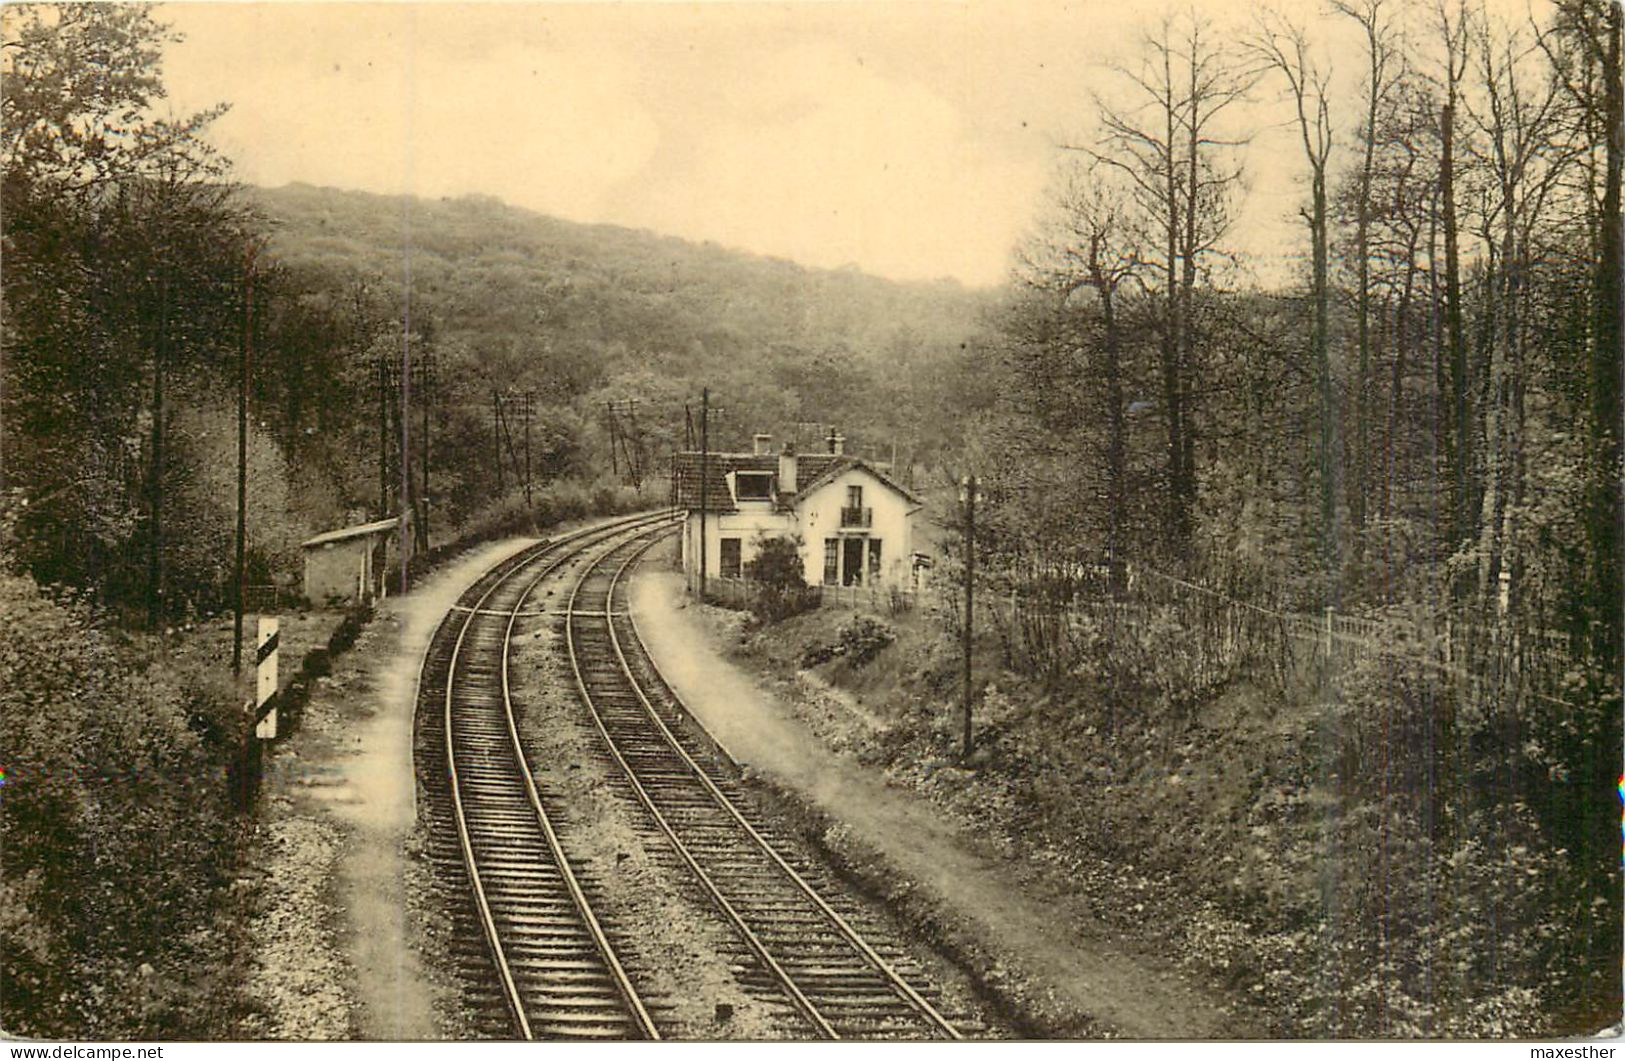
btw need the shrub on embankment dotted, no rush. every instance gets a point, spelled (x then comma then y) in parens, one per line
(1379, 846)
(1381, 856)
(557, 502)
(117, 834)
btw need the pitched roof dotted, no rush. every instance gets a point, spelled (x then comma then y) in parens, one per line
(686, 474)
(844, 464)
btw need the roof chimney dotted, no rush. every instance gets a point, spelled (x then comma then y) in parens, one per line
(787, 470)
(764, 445)
(837, 444)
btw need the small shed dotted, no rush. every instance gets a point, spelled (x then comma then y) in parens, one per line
(340, 565)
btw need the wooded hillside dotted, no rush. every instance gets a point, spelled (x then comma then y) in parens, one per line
(589, 313)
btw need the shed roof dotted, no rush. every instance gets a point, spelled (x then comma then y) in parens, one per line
(360, 530)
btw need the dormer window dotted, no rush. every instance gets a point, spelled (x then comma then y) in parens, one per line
(753, 486)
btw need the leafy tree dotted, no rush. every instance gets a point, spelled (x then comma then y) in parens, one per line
(123, 252)
(781, 589)
(79, 82)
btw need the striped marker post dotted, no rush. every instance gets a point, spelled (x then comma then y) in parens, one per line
(265, 660)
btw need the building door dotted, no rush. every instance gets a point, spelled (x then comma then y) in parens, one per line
(832, 560)
(730, 565)
(852, 561)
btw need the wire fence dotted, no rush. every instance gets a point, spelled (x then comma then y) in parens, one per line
(1050, 628)
(270, 598)
(743, 592)
(1481, 660)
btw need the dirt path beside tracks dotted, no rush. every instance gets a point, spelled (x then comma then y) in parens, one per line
(338, 947)
(1038, 946)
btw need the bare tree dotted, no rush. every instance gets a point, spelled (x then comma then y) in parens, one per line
(1094, 247)
(1167, 141)
(1517, 111)
(1380, 76)
(1584, 48)
(1283, 47)
(1452, 25)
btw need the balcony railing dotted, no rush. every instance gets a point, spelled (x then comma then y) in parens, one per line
(857, 517)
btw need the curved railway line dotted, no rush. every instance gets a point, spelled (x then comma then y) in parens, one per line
(536, 957)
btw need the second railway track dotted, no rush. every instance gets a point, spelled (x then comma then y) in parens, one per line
(549, 962)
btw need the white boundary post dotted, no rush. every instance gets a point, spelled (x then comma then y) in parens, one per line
(265, 664)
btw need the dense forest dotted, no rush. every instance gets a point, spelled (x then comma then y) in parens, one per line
(1421, 433)
(590, 317)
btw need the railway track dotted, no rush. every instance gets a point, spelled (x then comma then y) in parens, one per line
(552, 970)
(819, 957)
(535, 957)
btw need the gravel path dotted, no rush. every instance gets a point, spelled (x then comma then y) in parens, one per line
(1030, 939)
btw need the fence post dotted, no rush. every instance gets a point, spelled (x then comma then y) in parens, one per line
(1328, 633)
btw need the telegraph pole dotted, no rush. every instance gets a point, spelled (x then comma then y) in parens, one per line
(496, 437)
(426, 371)
(383, 439)
(705, 475)
(968, 496)
(504, 407)
(406, 451)
(634, 444)
(245, 353)
(625, 442)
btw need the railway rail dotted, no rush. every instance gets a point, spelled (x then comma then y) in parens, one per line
(553, 970)
(537, 959)
(842, 985)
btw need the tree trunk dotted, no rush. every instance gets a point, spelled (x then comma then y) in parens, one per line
(155, 546)
(1115, 443)
(1172, 341)
(1358, 485)
(1187, 295)
(1604, 514)
(1320, 346)
(1461, 453)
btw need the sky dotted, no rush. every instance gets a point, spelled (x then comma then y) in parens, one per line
(913, 139)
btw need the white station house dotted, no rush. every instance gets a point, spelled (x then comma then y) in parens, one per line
(854, 523)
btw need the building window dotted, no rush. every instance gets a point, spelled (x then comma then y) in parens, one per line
(874, 562)
(753, 486)
(854, 514)
(832, 558)
(730, 558)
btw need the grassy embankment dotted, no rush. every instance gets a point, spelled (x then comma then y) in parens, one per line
(1338, 855)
